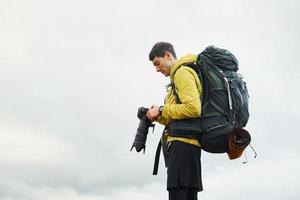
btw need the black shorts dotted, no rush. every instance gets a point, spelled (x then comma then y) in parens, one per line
(184, 166)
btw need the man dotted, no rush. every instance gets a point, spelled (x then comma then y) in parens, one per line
(184, 166)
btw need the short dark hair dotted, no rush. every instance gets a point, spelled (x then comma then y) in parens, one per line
(159, 50)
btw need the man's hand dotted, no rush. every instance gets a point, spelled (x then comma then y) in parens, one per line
(153, 113)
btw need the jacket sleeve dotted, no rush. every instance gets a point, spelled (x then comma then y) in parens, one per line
(185, 81)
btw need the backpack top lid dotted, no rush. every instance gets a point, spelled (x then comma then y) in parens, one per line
(223, 58)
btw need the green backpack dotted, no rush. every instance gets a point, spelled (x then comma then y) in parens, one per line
(224, 100)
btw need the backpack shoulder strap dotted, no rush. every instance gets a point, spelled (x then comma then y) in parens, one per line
(175, 93)
(195, 67)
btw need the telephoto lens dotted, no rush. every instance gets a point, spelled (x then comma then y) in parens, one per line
(142, 131)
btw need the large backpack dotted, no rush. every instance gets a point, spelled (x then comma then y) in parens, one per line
(224, 100)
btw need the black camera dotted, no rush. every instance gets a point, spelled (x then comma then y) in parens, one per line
(142, 130)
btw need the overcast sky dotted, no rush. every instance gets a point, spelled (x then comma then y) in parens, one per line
(73, 74)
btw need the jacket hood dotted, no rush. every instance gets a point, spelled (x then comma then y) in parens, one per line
(185, 59)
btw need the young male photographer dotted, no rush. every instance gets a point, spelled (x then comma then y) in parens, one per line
(184, 152)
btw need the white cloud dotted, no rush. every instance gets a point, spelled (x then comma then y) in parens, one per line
(21, 146)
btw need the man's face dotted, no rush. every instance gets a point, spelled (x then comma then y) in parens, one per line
(163, 64)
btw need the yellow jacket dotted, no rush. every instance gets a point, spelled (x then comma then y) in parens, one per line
(188, 88)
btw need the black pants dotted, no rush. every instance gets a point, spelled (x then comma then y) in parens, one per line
(183, 193)
(184, 166)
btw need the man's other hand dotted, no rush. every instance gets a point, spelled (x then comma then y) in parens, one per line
(153, 113)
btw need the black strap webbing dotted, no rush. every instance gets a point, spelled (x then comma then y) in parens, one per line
(156, 161)
(157, 154)
(175, 93)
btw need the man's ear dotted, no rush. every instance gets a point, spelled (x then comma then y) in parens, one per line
(168, 54)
